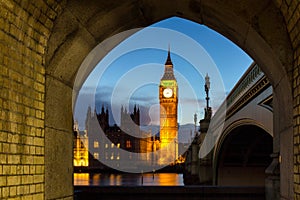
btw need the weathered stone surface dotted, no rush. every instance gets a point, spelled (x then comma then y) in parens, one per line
(58, 105)
(58, 164)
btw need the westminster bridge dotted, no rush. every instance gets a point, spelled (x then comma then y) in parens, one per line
(235, 146)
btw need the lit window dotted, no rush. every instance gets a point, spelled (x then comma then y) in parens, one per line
(118, 145)
(112, 156)
(106, 155)
(106, 146)
(96, 155)
(128, 144)
(96, 144)
(81, 163)
(112, 145)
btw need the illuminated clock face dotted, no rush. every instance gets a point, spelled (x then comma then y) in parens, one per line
(168, 92)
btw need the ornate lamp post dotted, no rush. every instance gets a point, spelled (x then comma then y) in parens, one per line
(195, 123)
(207, 87)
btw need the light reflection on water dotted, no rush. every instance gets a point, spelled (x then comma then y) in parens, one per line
(147, 179)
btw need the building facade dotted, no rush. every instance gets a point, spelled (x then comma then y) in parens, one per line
(81, 147)
(107, 145)
(168, 99)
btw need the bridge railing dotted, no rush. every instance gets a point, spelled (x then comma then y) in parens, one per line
(249, 86)
(251, 76)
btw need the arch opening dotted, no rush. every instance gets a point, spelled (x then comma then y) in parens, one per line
(227, 20)
(244, 156)
(206, 64)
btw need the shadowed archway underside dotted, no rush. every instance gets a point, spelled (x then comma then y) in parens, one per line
(256, 26)
(244, 156)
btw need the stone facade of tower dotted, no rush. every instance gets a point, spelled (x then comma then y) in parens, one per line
(81, 147)
(168, 99)
(105, 142)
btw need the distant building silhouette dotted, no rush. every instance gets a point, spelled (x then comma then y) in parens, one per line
(105, 142)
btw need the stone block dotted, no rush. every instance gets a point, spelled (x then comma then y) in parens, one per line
(58, 163)
(58, 113)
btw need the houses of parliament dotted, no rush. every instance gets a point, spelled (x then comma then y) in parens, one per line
(105, 143)
(99, 141)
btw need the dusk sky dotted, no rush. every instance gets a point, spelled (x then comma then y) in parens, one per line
(131, 72)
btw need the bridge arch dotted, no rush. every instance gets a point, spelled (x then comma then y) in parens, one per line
(257, 27)
(242, 154)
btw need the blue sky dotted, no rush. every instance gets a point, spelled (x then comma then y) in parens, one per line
(131, 72)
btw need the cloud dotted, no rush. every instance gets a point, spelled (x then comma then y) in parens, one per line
(144, 100)
(87, 89)
(192, 101)
(103, 96)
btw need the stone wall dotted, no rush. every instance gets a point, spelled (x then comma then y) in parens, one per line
(291, 12)
(25, 27)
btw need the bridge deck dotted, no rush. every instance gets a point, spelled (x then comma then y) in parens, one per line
(168, 193)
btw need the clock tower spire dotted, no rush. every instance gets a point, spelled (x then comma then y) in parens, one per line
(168, 99)
(169, 61)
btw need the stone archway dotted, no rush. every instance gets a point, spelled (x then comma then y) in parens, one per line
(256, 27)
(243, 156)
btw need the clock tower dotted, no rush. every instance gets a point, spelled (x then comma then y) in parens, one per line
(168, 99)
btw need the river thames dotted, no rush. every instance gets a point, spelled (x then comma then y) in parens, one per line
(146, 179)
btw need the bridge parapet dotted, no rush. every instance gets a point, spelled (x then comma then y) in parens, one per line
(251, 76)
(244, 104)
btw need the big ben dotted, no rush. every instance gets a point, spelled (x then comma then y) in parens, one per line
(168, 99)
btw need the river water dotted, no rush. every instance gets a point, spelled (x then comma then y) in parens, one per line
(146, 179)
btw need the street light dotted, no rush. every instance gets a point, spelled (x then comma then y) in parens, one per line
(195, 122)
(207, 87)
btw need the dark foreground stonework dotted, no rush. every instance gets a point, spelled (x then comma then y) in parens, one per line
(169, 193)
